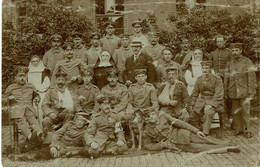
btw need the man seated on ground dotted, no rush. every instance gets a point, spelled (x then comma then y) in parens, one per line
(86, 94)
(207, 96)
(68, 140)
(20, 97)
(173, 96)
(105, 134)
(166, 132)
(116, 92)
(142, 95)
(57, 104)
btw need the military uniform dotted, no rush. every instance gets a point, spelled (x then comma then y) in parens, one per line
(179, 93)
(54, 103)
(92, 55)
(79, 52)
(143, 96)
(68, 137)
(183, 58)
(208, 91)
(161, 70)
(51, 57)
(220, 57)
(154, 51)
(240, 83)
(105, 130)
(118, 96)
(21, 108)
(176, 132)
(110, 43)
(88, 103)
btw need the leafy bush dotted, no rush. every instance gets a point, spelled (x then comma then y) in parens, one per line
(34, 31)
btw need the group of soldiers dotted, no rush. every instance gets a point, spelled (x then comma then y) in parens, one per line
(94, 94)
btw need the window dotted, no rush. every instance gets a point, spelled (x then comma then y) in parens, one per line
(112, 11)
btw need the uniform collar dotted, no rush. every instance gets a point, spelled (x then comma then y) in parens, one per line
(168, 64)
(62, 90)
(110, 37)
(126, 49)
(88, 86)
(112, 88)
(138, 35)
(79, 47)
(68, 60)
(155, 46)
(140, 86)
(95, 48)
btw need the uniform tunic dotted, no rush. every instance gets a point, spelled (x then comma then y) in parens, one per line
(161, 70)
(110, 43)
(92, 55)
(219, 58)
(51, 57)
(88, 104)
(140, 37)
(143, 96)
(80, 52)
(154, 51)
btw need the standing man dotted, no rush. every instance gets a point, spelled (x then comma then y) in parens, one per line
(105, 134)
(71, 66)
(220, 57)
(116, 92)
(173, 96)
(94, 51)
(110, 42)
(120, 55)
(240, 87)
(52, 56)
(138, 60)
(138, 35)
(207, 96)
(154, 49)
(79, 48)
(167, 62)
(186, 54)
(86, 94)
(57, 104)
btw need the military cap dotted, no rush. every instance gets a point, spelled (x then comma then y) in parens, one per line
(113, 72)
(22, 69)
(140, 71)
(136, 43)
(56, 37)
(60, 73)
(68, 44)
(206, 63)
(236, 45)
(125, 36)
(167, 48)
(137, 22)
(82, 115)
(101, 98)
(76, 34)
(172, 68)
(95, 35)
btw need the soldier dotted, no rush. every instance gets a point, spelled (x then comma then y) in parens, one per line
(138, 60)
(116, 92)
(120, 55)
(240, 87)
(138, 35)
(86, 94)
(57, 104)
(110, 42)
(207, 95)
(166, 132)
(71, 66)
(186, 54)
(167, 61)
(173, 96)
(68, 140)
(94, 51)
(142, 95)
(79, 48)
(52, 56)
(154, 49)
(220, 56)
(105, 134)
(20, 97)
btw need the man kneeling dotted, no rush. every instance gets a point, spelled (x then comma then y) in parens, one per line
(68, 139)
(166, 132)
(105, 134)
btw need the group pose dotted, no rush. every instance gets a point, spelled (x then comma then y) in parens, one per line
(91, 100)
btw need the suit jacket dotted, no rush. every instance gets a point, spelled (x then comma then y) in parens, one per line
(143, 62)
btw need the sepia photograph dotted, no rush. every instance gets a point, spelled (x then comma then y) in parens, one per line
(130, 83)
